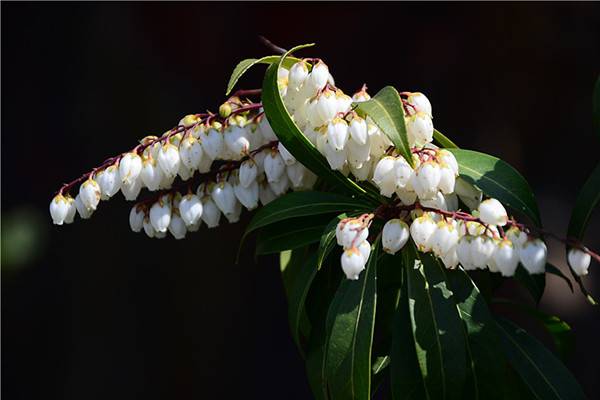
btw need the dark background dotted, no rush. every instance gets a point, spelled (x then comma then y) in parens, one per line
(94, 311)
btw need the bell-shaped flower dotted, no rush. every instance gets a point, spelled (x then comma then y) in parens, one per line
(89, 192)
(579, 261)
(210, 212)
(136, 218)
(353, 263)
(130, 166)
(533, 255)
(358, 131)
(151, 175)
(248, 196)
(59, 207)
(419, 129)
(190, 209)
(420, 102)
(213, 144)
(506, 257)
(109, 181)
(160, 214)
(274, 166)
(492, 212)
(177, 227)
(169, 160)
(190, 152)
(337, 134)
(394, 236)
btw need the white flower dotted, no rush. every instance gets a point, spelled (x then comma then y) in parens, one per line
(130, 167)
(160, 214)
(82, 210)
(352, 263)
(448, 159)
(337, 134)
(265, 194)
(274, 166)
(358, 131)
(447, 179)
(353, 233)
(384, 175)
(516, 236)
(266, 131)
(248, 172)
(136, 218)
(407, 198)
(190, 209)
(280, 186)
(190, 152)
(184, 172)
(438, 202)
(420, 102)
(482, 249)
(444, 239)
(71, 210)
(326, 107)
(506, 258)
(234, 217)
(131, 189)
(287, 157)
(213, 144)
(224, 197)
(579, 261)
(210, 212)
(492, 212)
(362, 173)
(426, 179)
(403, 172)
(177, 227)
(357, 154)
(421, 230)
(195, 227)
(533, 256)
(365, 249)
(394, 236)
(248, 196)
(468, 193)
(151, 174)
(336, 159)
(168, 159)
(296, 173)
(298, 74)
(450, 259)
(318, 77)
(419, 129)
(89, 192)
(236, 140)
(148, 228)
(109, 181)
(59, 207)
(464, 253)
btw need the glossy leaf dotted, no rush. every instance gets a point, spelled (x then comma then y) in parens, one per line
(443, 141)
(386, 111)
(437, 329)
(290, 263)
(485, 360)
(299, 291)
(534, 283)
(348, 364)
(328, 239)
(290, 234)
(244, 65)
(294, 140)
(546, 376)
(302, 204)
(498, 179)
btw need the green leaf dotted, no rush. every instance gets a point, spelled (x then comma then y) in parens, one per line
(443, 140)
(294, 140)
(498, 179)
(302, 204)
(546, 376)
(298, 293)
(485, 361)
(290, 234)
(386, 111)
(348, 362)
(328, 239)
(586, 202)
(438, 333)
(290, 263)
(551, 269)
(405, 377)
(534, 283)
(248, 63)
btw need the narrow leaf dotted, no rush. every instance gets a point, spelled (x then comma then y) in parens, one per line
(551, 269)
(498, 179)
(328, 239)
(546, 377)
(348, 364)
(288, 235)
(386, 111)
(299, 291)
(443, 140)
(248, 63)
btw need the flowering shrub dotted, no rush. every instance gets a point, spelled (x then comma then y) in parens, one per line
(378, 217)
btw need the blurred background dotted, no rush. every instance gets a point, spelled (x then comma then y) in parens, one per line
(94, 311)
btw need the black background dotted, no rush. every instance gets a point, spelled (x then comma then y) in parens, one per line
(98, 312)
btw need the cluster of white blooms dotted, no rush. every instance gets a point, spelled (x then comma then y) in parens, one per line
(352, 234)
(239, 160)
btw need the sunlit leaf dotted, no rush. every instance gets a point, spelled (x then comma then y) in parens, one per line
(244, 65)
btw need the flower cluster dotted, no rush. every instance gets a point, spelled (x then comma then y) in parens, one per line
(352, 235)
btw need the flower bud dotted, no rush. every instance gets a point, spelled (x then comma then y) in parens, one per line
(130, 167)
(160, 214)
(236, 140)
(352, 263)
(136, 218)
(420, 103)
(189, 120)
(419, 129)
(248, 196)
(59, 207)
(318, 77)
(274, 166)
(190, 209)
(190, 152)
(492, 212)
(89, 192)
(286, 156)
(177, 227)
(353, 233)
(225, 110)
(224, 197)
(447, 180)
(579, 261)
(298, 74)
(210, 212)
(533, 256)
(109, 181)
(421, 230)
(506, 258)
(213, 144)
(169, 160)
(426, 179)
(82, 210)
(394, 236)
